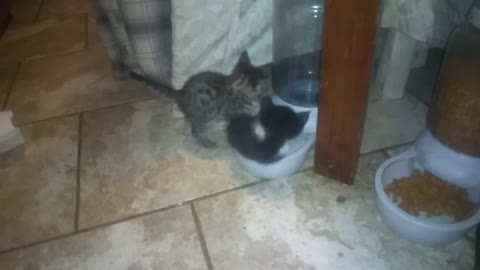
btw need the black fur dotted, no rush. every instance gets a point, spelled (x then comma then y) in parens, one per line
(280, 124)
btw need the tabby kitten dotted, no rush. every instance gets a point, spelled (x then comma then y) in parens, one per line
(209, 99)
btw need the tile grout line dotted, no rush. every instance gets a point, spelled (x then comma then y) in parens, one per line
(414, 95)
(37, 243)
(201, 236)
(80, 50)
(86, 31)
(89, 110)
(385, 153)
(384, 149)
(37, 15)
(159, 210)
(10, 87)
(79, 231)
(78, 184)
(89, 229)
(376, 151)
(131, 217)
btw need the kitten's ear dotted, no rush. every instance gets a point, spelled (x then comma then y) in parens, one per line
(303, 116)
(244, 58)
(265, 104)
(243, 61)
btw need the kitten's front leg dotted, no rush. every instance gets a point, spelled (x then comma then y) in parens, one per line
(252, 108)
(201, 133)
(247, 105)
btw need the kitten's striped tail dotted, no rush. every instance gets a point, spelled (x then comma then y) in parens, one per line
(169, 92)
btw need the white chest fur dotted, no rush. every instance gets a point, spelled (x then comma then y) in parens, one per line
(284, 149)
(259, 131)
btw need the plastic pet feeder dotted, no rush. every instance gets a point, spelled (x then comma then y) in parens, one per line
(449, 148)
(297, 32)
(436, 230)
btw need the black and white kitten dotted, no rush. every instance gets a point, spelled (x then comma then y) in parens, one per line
(265, 137)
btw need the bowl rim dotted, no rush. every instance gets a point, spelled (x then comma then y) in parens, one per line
(385, 199)
(276, 99)
(426, 138)
(309, 140)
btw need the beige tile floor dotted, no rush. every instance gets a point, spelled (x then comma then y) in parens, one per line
(55, 35)
(38, 183)
(7, 75)
(69, 83)
(93, 37)
(109, 179)
(299, 223)
(63, 7)
(158, 165)
(25, 11)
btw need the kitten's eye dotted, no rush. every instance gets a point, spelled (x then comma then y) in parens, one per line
(261, 87)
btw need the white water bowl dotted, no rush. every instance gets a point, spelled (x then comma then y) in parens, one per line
(311, 125)
(435, 231)
(298, 150)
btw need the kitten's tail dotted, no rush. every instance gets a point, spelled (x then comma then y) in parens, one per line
(169, 92)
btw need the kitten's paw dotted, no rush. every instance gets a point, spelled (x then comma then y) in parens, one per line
(254, 108)
(203, 137)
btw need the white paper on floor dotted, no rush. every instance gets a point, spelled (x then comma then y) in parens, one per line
(10, 136)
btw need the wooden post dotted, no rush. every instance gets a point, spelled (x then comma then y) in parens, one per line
(348, 45)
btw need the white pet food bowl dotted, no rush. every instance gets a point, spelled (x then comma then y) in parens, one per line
(311, 125)
(434, 231)
(298, 150)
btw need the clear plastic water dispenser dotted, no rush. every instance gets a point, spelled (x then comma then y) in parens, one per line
(297, 32)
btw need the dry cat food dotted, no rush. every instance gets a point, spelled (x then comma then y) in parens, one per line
(425, 193)
(455, 116)
(455, 112)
